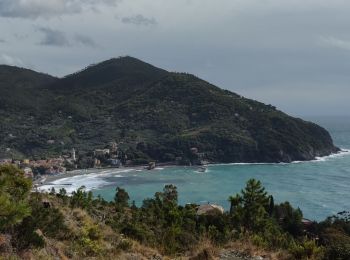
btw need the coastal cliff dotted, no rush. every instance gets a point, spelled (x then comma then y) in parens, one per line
(152, 114)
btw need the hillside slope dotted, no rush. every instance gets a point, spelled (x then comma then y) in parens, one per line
(152, 113)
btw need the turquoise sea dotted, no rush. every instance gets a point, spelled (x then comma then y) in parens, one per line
(320, 188)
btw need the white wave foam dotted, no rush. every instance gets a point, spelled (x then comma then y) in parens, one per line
(72, 184)
(90, 181)
(341, 153)
(238, 164)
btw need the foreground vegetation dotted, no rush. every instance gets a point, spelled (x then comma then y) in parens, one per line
(48, 226)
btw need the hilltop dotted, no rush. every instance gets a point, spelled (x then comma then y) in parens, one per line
(151, 113)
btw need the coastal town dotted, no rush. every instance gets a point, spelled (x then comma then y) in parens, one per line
(34, 169)
(111, 156)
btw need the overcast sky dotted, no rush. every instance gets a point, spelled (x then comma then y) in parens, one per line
(294, 54)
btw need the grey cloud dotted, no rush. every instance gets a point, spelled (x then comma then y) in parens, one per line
(53, 37)
(276, 51)
(21, 37)
(85, 40)
(2, 41)
(44, 8)
(139, 20)
(336, 42)
(11, 60)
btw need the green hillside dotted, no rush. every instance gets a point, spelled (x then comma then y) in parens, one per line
(153, 115)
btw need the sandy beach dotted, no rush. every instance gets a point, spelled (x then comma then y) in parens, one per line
(49, 179)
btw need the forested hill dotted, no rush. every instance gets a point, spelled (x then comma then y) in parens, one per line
(151, 113)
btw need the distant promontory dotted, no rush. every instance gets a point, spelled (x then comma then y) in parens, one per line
(150, 114)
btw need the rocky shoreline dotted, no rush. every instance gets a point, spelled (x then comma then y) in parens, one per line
(49, 179)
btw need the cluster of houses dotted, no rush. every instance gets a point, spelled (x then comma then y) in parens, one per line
(55, 166)
(34, 168)
(107, 156)
(110, 156)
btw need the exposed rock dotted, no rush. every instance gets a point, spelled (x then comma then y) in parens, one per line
(210, 209)
(203, 255)
(236, 255)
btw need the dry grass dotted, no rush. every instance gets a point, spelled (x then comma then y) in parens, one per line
(205, 250)
(140, 252)
(246, 247)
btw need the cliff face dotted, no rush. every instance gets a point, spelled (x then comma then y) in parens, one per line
(152, 113)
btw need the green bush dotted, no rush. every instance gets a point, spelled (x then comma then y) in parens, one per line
(125, 245)
(14, 194)
(307, 249)
(82, 199)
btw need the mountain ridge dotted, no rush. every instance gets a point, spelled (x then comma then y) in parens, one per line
(154, 115)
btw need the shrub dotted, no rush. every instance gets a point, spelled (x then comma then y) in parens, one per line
(81, 198)
(125, 244)
(307, 249)
(14, 192)
(289, 218)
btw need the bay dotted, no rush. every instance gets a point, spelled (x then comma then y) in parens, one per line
(319, 188)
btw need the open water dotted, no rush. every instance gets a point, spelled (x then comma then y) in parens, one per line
(319, 188)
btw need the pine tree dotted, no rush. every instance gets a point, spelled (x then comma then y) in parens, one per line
(121, 198)
(255, 203)
(250, 208)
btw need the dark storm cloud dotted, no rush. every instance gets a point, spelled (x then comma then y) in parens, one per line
(53, 37)
(47, 8)
(139, 20)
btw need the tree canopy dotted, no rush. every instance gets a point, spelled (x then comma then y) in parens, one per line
(14, 192)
